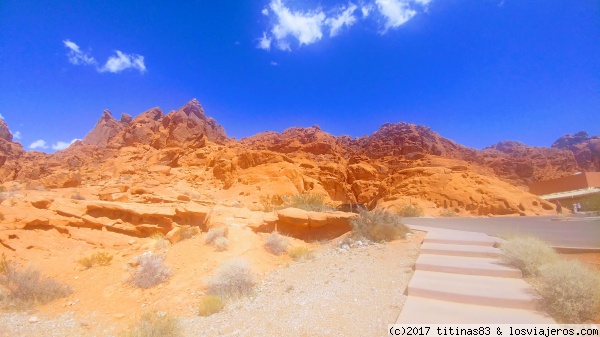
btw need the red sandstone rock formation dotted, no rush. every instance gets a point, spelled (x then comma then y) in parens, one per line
(162, 156)
(586, 149)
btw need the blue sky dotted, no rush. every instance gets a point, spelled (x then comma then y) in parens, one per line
(476, 71)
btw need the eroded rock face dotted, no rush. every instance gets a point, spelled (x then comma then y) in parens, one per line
(524, 164)
(586, 149)
(398, 164)
(104, 131)
(5, 133)
(313, 225)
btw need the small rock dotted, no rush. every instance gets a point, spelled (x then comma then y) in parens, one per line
(76, 278)
(119, 316)
(131, 242)
(161, 314)
(33, 319)
(345, 246)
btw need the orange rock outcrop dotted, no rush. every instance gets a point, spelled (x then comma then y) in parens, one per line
(152, 173)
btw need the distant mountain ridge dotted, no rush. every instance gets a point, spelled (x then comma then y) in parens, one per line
(398, 163)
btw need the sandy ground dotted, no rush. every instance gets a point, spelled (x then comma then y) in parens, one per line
(354, 292)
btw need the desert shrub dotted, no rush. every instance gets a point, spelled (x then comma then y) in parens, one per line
(270, 203)
(309, 201)
(3, 264)
(215, 233)
(275, 243)
(77, 196)
(187, 232)
(233, 279)
(527, 253)
(155, 325)
(410, 211)
(379, 225)
(210, 304)
(301, 253)
(221, 244)
(28, 287)
(150, 271)
(571, 292)
(100, 258)
(448, 213)
(160, 241)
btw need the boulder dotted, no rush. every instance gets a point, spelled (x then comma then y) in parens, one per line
(293, 216)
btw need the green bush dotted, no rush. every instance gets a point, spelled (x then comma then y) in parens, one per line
(210, 304)
(571, 292)
(592, 204)
(379, 225)
(310, 201)
(155, 325)
(410, 211)
(527, 253)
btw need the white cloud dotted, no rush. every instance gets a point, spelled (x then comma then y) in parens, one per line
(76, 55)
(396, 12)
(116, 64)
(62, 145)
(366, 10)
(18, 135)
(346, 18)
(306, 27)
(1, 117)
(264, 42)
(38, 144)
(273, 63)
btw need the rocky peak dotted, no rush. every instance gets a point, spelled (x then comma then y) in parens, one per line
(5, 132)
(569, 140)
(586, 149)
(507, 146)
(126, 118)
(106, 115)
(154, 114)
(408, 140)
(106, 128)
(193, 107)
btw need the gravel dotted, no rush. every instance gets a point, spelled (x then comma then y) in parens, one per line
(350, 291)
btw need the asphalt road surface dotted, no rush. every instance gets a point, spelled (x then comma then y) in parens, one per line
(580, 232)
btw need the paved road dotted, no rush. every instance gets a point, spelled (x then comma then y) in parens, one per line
(579, 232)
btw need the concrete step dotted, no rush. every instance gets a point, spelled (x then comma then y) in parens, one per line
(466, 265)
(419, 310)
(473, 289)
(460, 238)
(451, 236)
(459, 250)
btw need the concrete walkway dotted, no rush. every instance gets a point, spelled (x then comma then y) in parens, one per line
(459, 278)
